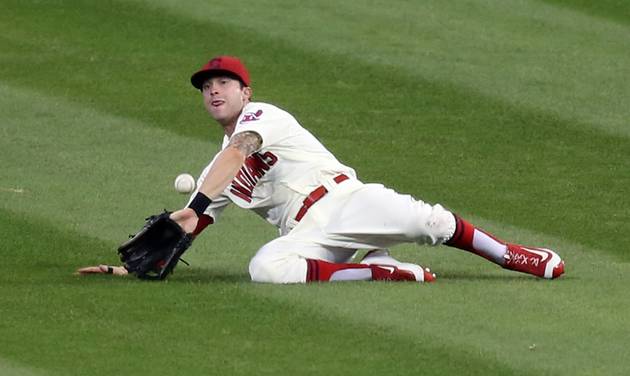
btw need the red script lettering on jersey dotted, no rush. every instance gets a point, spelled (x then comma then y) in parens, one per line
(254, 168)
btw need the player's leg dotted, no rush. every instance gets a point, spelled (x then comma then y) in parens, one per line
(285, 260)
(320, 270)
(541, 262)
(381, 217)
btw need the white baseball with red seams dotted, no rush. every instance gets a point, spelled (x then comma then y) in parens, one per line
(184, 183)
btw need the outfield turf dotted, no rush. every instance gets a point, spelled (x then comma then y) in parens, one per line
(512, 113)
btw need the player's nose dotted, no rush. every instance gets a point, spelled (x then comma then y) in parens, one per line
(210, 89)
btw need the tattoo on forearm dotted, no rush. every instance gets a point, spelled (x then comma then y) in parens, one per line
(247, 142)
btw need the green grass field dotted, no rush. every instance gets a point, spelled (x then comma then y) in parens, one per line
(514, 114)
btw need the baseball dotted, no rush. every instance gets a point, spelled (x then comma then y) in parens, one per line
(184, 183)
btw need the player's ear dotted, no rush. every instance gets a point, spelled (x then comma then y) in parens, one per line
(247, 91)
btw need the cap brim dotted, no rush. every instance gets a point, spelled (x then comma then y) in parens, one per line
(200, 77)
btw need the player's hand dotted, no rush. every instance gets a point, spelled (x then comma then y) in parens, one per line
(102, 269)
(186, 218)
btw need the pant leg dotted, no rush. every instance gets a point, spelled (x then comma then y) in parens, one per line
(336, 226)
(283, 260)
(375, 217)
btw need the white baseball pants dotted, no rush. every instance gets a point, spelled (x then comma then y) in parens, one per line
(350, 217)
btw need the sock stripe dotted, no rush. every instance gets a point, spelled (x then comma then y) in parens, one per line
(312, 270)
(458, 231)
(309, 270)
(463, 236)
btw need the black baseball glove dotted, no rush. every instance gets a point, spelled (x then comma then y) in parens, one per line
(154, 251)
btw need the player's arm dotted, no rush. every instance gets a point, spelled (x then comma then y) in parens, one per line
(102, 269)
(224, 169)
(229, 162)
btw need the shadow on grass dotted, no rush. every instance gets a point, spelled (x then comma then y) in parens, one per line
(207, 276)
(512, 277)
(178, 276)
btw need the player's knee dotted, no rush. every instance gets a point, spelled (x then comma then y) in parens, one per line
(270, 270)
(260, 270)
(438, 226)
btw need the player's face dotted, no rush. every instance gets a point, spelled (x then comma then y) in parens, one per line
(225, 98)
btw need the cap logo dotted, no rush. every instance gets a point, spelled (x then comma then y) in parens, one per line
(215, 63)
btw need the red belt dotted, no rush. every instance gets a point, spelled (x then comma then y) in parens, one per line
(316, 195)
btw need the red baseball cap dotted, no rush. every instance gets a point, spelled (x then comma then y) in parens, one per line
(228, 65)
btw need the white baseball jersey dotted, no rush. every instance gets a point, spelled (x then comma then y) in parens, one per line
(290, 164)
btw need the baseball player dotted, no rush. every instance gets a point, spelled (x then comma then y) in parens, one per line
(270, 164)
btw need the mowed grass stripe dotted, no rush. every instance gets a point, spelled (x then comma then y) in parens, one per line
(91, 171)
(522, 163)
(529, 54)
(184, 327)
(616, 10)
(106, 56)
(526, 53)
(10, 368)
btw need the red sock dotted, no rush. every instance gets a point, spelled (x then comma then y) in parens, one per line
(477, 241)
(318, 270)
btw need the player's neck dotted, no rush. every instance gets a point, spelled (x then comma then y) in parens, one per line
(230, 125)
(229, 129)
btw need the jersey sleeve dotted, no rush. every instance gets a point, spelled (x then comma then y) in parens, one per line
(272, 124)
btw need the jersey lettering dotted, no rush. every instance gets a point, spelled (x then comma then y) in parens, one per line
(242, 179)
(239, 191)
(270, 158)
(254, 173)
(254, 168)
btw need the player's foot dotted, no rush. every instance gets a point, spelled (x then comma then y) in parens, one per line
(398, 270)
(540, 262)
